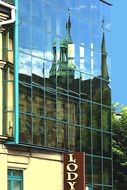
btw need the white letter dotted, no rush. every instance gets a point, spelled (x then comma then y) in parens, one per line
(72, 185)
(71, 176)
(71, 158)
(72, 167)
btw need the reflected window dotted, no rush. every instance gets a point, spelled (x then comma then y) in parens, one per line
(97, 170)
(61, 135)
(85, 87)
(50, 105)
(86, 140)
(51, 133)
(96, 142)
(96, 116)
(38, 130)
(37, 101)
(106, 145)
(96, 90)
(106, 119)
(106, 93)
(85, 114)
(88, 164)
(25, 133)
(25, 98)
(71, 137)
(107, 172)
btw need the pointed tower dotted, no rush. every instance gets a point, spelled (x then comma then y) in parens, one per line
(104, 67)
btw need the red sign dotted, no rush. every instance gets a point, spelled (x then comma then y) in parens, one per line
(74, 171)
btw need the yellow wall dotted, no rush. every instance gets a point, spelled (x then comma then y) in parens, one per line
(41, 170)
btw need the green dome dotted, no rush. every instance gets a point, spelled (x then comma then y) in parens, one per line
(63, 43)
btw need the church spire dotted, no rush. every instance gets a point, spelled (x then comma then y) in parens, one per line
(68, 28)
(104, 67)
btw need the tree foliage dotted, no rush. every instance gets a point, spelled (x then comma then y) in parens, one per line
(119, 126)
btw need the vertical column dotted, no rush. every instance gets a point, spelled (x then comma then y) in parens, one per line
(2, 63)
(3, 168)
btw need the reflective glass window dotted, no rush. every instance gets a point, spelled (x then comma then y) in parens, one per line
(97, 170)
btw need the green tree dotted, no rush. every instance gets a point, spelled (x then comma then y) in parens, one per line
(119, 126)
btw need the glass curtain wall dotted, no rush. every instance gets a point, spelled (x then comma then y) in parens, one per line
(64, 81)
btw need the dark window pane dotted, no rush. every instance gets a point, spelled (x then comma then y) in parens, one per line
(25, 128)
(38, 101)
(96, 116)
(86, 140)
(86, 114)
(51, 133)
(106, 145)
(50, 105)
(85, 87)
(61, 135)
(88, 164)
(38, 130)
(96, 142)
(97, 170)
(24, 98)
(106, 93)
(106, 119)
(107, 172)
(96, 90)
(71, 137)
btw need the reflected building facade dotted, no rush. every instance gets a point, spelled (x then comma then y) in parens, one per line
(60, 81)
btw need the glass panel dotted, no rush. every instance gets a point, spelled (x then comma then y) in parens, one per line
(50, 75)
(50, 105)
(17, 173)
(25, 67)
(88, 164)
(96, 116)
(71, 137)
(106, 145)
(106, 119)
(24, 98)
(86, 114)
(17, 185)
(106, 93)
(85, 86)
(25, 132)
(97, 187)
(86, 140)
(106, 15)
(95, 11)
(74, 82)
(51, 133)
(61, 135)
(25, 39)
(96, 142)
(84, 9)
(62, 108)
(38, 71)
(107, 172)
(37, 101)
(73, 111)
(96, 90)
(78, 138)
(97, 170)
(38, 130)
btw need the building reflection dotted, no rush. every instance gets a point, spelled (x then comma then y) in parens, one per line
(59, 110)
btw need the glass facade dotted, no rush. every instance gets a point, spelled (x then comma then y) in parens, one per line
(64, 73)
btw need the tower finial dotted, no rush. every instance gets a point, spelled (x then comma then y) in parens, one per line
(103, 22)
